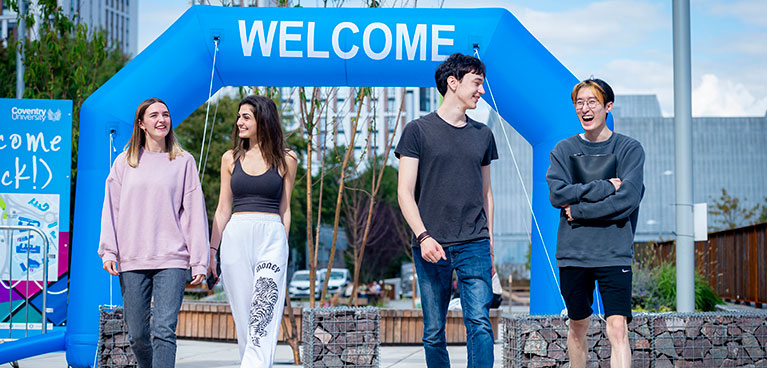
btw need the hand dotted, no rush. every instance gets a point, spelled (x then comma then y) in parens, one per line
(197, 279)
(616, 182)
(568, 213)
(111, 267)
(213, 263)
(432, 251)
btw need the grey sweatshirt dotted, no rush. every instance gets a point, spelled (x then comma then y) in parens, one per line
(602, 233)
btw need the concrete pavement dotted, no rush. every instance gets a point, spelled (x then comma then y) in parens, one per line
(205, 354)
(199, 354)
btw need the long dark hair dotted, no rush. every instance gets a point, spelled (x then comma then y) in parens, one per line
(268, 132)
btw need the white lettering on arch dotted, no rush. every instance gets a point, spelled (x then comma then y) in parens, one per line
(285, 37)
(310, 51)
(403, 39)
(337, 48)
(366, 41)
(436, 41)
(265, 41)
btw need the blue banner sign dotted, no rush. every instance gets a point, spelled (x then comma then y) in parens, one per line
(35, 175)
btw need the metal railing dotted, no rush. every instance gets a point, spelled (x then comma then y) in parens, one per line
(44, 287)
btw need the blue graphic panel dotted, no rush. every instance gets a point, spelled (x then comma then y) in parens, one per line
(56, 303)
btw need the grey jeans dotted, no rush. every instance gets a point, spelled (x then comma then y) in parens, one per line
(166, 288)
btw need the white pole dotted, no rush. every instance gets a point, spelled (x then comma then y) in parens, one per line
(685, 252)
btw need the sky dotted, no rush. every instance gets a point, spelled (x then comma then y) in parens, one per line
(628, 43)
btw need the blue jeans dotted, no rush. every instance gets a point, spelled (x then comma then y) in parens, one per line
(139, 288)
(471, 262)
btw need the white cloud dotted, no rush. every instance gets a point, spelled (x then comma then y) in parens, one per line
(718, 97)
(749, 11)
(597, 28)
(641, 77)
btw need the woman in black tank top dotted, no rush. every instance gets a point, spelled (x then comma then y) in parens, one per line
(251, 223)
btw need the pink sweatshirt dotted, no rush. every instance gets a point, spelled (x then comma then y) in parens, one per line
(154, 215)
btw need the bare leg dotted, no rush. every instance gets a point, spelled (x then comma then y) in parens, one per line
(576, 342)
(617, 332)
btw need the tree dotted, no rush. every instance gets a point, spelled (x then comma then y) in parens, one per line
(217, 141)
(65, 61)
(384, 251)
(362, 94)
(729, 213)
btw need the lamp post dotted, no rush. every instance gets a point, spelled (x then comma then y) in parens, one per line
(20, 31)
(685, 247)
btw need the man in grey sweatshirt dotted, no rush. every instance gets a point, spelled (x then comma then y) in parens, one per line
(598, 220)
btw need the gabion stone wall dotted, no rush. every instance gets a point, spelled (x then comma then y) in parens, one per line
(113, 346)
(341, 337)
(658, 340)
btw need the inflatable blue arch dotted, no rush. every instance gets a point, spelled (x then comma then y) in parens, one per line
(308, 47)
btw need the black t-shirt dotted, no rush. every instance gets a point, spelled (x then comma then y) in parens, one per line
(448, 189)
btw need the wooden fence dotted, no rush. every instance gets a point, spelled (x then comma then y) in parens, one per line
(213, 321)
(734, 262)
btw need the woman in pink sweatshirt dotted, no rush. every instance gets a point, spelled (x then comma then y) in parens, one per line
(153, 228)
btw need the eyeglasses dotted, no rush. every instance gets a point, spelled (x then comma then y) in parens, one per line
(592, 103)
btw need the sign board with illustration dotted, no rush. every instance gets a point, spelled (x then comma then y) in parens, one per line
(35, 176)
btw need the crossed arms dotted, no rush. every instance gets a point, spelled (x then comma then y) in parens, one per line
(600, 199)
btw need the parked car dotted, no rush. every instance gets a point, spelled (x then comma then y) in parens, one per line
(299, 285)
(339, 278)
(406, 279)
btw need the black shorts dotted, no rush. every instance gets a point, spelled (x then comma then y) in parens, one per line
(614, 286)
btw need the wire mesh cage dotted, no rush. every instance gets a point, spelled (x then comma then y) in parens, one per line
(341, 337)
(114, 345)
(715, 339)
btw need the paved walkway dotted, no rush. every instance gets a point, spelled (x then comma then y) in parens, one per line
(204, 354)
(199, 354)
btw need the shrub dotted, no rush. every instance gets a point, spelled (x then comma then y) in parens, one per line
(705, 297)
(645, 296)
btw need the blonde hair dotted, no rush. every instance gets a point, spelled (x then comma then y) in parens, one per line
(138, 137)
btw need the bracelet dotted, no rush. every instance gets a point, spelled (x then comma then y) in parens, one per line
(216, 249)
(423, 236)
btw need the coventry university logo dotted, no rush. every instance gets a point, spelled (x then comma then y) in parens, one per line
(54, 116)
(35, 114)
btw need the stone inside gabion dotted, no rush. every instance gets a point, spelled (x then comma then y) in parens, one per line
(341, 337)
(114, 346)
(657, 340)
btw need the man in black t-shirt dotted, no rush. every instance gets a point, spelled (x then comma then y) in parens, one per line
(445, 196)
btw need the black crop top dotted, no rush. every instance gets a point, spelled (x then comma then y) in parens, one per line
(259, 193)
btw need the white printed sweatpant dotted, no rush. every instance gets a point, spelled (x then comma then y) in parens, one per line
(254, 258)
